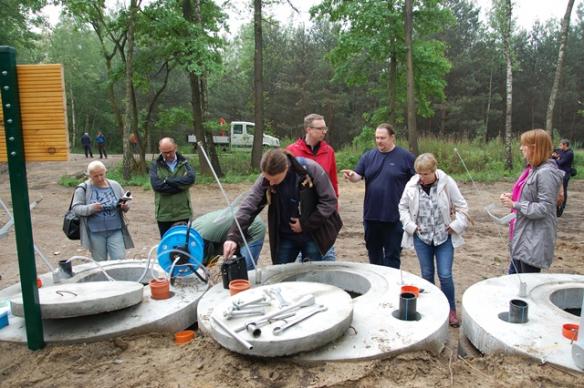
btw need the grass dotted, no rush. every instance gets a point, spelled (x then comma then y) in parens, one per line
(485, 162)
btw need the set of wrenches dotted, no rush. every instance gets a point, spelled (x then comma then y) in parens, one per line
(286, 316)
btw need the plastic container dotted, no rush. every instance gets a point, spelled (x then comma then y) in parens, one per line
(410, 289)
(160, 289)
(3, 319)
(570, 331)
(238, 285)
(184, 337)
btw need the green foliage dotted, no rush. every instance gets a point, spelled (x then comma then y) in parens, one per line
(373, 33)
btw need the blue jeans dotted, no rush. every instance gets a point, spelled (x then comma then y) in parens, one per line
(444, 254)
(255, 247)
(330, 255)
(107, 243)
(289, 250)
(383, 242)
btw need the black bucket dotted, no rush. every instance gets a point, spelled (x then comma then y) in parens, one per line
(233, 268)
(518, 310)
(66, 267)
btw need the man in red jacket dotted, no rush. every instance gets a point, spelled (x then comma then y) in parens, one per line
(313, 146)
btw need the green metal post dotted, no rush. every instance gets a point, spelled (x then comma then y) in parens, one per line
(20, 202)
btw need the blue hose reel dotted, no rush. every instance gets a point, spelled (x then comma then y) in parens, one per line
(176, 240)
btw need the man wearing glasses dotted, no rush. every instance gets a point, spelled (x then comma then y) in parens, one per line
(313, 146)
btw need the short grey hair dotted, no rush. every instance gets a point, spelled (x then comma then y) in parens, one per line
(95, 165)
(565, 141)
(308, 120)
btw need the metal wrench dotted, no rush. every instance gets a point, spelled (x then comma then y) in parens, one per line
(260, 301)
(279, 329)
(277, 292)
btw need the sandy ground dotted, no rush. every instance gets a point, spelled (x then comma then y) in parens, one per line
(155, 361)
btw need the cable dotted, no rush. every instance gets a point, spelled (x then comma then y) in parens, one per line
(257, 274)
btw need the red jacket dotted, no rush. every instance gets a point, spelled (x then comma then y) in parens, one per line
(325, 156)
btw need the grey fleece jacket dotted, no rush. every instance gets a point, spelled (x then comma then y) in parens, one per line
(83, 210)
(534, 238)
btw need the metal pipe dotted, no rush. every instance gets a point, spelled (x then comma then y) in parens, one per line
(233, 334)
(257, 271)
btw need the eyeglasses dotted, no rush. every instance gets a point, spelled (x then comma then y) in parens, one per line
(324, 129)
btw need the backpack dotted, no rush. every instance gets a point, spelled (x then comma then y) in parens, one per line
(71, 221)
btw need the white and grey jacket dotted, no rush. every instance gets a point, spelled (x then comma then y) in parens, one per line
(451, 203)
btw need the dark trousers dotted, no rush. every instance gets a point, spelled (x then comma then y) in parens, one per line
(560, 209)
(87, 149)
(163, 226)
(518, 266)
(383, 242)
(102, 152)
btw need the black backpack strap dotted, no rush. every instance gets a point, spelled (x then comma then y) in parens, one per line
(83, 186)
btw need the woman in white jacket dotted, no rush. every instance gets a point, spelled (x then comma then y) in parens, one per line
(434, 216)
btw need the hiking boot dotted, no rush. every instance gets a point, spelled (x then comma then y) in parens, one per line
(453, 319)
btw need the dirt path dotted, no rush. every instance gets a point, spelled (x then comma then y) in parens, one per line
(154, 360)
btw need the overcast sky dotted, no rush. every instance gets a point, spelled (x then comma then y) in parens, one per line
(526, 12)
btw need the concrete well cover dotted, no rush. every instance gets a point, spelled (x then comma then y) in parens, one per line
(309, 334)
(81, 299)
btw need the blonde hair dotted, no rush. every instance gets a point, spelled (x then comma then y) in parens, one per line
(540, 144)
(426, 162)
(95, 165)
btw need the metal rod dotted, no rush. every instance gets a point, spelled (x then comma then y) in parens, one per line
(20, 201)
(233, 334)
(257, 275)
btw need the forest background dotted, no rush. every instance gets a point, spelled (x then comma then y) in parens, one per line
(166, 68)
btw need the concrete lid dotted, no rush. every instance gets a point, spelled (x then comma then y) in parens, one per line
(486, 303)
(309, 334)
(80, 299)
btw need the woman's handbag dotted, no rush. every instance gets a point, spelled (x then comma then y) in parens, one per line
(71, 221)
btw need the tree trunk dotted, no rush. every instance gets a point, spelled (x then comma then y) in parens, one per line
(412, 135)
(131, 111)
(192, 12)
(509, 87)
(73, 119)
(489, 99)
(554, 93)
(256, 153)
(392, 85)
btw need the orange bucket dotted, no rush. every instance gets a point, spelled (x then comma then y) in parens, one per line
(570, 331)
(160, 289)
(184, 337)
(410, 289)
(238, 285)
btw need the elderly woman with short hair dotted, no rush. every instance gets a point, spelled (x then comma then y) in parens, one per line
(434, 215)
(102, 227)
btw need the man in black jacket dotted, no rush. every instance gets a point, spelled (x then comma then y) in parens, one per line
(302, 208)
